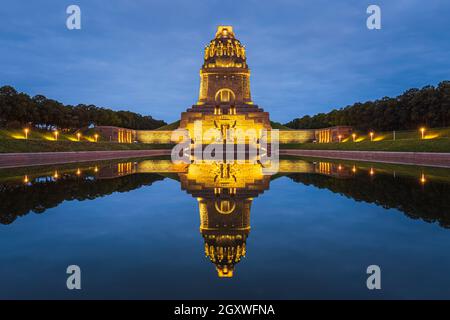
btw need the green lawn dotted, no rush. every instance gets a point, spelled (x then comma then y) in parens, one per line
(411, 145)
(429, 134)
(12, 145)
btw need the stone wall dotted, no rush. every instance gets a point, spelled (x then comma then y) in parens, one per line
(153, 136)
(116, 134)
(296, 136)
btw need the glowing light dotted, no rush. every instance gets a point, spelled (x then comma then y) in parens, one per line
(371, 135)
(56, 133)
(354, 137)
(96, 137)
(379, 138)
(340, 137)
(371, 172)
(422, 131)
(422, 179)
(25, 179)
(78, 172)
(339, 167)
(49, 137)
(354, 169)
(78, 136)
(95, 169)
(56, 176)
(26, 130)
(431, 136)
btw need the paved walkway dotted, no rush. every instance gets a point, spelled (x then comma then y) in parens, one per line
(414, 158)
(11, 160)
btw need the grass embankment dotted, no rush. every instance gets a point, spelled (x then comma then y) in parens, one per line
(11, 145)
(406, 145)
(34, 134)
(13, 140)
(434, 140)
(170, 126)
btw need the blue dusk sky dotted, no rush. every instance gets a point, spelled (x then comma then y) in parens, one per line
(306, 56)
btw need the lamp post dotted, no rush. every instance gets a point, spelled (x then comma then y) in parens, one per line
(56, 134)
(354, 137)
(422, 131)
(371, 135)
(340, 138)
(96, 137)
(422, 179)
(26, 130)
(78, 136)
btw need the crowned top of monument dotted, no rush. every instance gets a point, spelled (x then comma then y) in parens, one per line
(225, 51)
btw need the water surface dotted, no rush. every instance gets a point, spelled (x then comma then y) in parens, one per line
(148, 229)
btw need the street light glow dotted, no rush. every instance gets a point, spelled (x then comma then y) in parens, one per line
(422, 179)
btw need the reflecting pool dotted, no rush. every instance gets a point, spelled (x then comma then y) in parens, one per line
(151, 229)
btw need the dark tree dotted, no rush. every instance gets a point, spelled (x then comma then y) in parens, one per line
(429, 106)
(18, 109)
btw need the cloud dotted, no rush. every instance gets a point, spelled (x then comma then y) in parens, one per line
(306, 56)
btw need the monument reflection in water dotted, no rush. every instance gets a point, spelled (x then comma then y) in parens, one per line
(224, 192)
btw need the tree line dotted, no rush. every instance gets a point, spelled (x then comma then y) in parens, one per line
(19, 109)
(429, 107)
(19, 199)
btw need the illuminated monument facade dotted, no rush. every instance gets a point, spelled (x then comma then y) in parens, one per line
(224, 101)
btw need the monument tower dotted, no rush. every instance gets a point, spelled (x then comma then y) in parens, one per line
(224, 98)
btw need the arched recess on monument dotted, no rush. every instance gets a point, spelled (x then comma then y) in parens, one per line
(225, 206)
(225, 95)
